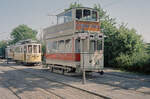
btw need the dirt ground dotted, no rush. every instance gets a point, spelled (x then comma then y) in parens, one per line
(20, 84)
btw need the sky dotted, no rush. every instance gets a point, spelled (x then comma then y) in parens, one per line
(34, 13)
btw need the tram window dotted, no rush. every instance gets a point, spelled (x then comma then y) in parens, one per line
(99, 45)
(25, 49)
(86, 13)
(29, 48)
(60, 19)
(54, 45)
(17, 49)
(77, 45)
(21, 50)
(92, 46)
(68, 17)
(35, 49)
(94, 15)
(68, 46)
(61, 46)
(39, 49)
(79, 14)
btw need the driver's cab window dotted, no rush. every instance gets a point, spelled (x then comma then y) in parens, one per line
(86, 14)
(29, 48)
(35, 50)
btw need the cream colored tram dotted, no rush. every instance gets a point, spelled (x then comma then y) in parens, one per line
(27, 52)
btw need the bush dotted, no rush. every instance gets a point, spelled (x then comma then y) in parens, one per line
(137, 62)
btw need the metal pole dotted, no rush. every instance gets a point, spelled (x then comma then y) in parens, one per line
(83, 70)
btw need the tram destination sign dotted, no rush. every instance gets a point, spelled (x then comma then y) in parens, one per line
(87, 26)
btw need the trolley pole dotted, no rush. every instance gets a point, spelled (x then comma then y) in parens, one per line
(83, 67)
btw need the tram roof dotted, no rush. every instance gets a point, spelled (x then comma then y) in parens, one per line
(75, 8)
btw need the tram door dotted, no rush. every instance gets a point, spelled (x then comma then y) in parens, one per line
(25, 53)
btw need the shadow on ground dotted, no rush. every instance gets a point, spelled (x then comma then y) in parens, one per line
(26, 82)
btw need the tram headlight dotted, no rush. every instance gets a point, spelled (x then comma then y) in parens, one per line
(92, 36)
(99, 36)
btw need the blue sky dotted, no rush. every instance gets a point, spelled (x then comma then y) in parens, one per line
(34, 13)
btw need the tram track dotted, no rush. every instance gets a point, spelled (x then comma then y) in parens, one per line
(111, 84)
(64, 84)
(123, 87)
(11, 90)
(14, 89)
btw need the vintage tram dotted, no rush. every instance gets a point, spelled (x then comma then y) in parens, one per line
(75, 42)
(25, 52)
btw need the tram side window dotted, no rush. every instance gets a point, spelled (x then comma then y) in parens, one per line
(61, 46)
(60, 19)
(49, 46)
(79, 14)
(39, 48)
(54, 46)
(29, 48)
(68, 17)
(68, 46)
(77, 45)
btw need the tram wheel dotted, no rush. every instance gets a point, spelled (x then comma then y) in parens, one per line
(101, 72)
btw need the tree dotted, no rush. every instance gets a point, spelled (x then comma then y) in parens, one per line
(74, 5)
(23, 32)
(120, 40)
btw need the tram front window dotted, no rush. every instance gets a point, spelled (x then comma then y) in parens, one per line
(35, 49)
(29, 48)
(95, 45)
(87, 15)
(79, 14)
(94, 15)
(92, 46)
(99, 45)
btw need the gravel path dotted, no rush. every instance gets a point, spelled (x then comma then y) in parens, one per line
(27, 86)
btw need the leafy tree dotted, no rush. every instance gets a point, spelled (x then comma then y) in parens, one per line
(23, 32)
(74, 5)
(120, 41)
